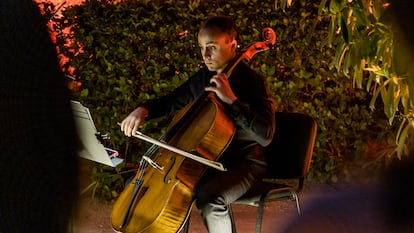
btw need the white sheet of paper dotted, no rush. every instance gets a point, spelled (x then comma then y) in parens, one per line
(92, 148)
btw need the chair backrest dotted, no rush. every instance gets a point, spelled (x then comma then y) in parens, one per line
(290, 153)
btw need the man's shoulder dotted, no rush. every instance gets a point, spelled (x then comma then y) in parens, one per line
(245, 70)
(201, 74)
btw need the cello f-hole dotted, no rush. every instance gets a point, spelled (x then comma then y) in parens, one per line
(167, 178)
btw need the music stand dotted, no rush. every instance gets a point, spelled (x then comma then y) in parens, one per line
(91, 147)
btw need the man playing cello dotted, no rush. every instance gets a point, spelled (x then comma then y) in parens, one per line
(247, 102)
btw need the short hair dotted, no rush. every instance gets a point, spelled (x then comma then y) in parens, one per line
(221, 23)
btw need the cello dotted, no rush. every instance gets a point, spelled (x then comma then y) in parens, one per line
(161, 194)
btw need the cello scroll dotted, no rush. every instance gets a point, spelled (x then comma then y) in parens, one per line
(269, 40)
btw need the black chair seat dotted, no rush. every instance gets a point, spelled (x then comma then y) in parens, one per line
(267, 190)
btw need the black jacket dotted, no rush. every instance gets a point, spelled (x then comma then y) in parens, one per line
(252, 113)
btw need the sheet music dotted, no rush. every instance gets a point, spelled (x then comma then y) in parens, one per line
(92, 148)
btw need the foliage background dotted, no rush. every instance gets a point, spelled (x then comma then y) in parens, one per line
(127, 52)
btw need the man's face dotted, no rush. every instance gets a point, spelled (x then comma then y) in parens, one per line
(216, 48)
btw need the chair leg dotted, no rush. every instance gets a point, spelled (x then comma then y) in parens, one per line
(233, 223)
(295, 196)
(260, 210)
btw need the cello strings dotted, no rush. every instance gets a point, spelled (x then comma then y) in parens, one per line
(143, 163)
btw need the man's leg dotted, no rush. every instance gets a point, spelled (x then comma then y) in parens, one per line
(219, 189)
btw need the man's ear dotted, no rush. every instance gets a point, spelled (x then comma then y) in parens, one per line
(233, 45)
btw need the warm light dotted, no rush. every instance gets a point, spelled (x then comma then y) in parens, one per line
(59, 5)
(59, 2)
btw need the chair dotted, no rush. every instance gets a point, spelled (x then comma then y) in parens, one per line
(288, 157)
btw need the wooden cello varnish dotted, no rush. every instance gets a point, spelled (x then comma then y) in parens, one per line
(165, 198)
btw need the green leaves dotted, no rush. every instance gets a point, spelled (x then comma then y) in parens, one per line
(325, 54)
(368, 45)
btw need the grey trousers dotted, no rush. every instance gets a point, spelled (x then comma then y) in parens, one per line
(219, 189)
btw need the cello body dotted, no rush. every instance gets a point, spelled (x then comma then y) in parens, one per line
(165, 197)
